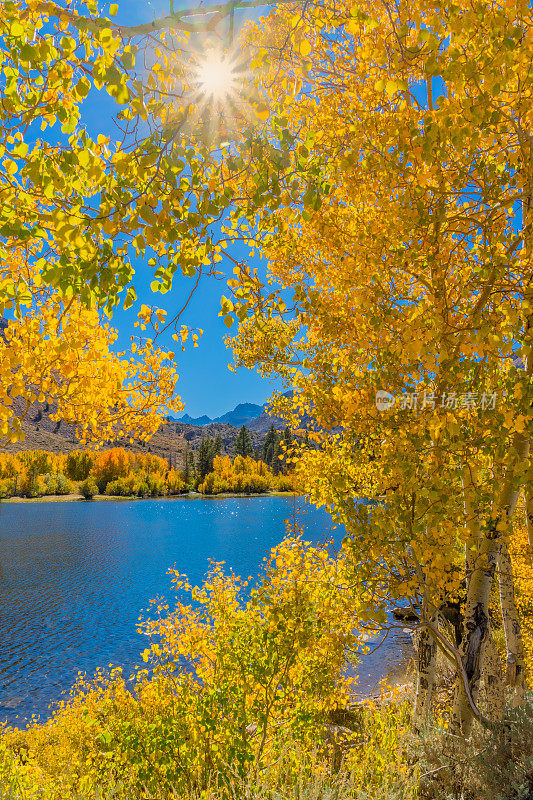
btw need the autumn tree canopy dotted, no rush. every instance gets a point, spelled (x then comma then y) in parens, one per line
(407, 274)
(385, 171)
(77, 209)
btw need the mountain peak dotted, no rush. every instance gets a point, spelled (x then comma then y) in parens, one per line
(188, 420)
(242, 414)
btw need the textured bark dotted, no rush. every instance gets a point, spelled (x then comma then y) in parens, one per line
(515, 674)
(481, 554)
(426, 666)
(473, 645)
(476, 627)
(494, 695)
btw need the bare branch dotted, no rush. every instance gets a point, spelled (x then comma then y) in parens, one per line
(174, 21)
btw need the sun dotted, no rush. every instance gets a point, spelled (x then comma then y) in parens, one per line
(216, 76)
(220, 90)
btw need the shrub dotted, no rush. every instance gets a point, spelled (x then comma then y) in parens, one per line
(49, 482)
(141, 489)
(243, 475)
(6, 487)
(63, 485)
(268, 665)
(88, 489)
(137, 485)
(175, 483)
(285, 483)
(156, 485)
(55, 484)
(495, 766)
(119, 488)
(79, 464)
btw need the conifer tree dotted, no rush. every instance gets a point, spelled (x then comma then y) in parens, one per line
(206, 454)
(268, 446)
(191, 467)
(276, 457)
(243, 443)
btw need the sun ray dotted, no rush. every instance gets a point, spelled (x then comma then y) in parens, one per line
(216, 76)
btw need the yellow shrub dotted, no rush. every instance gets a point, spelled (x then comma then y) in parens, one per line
(242, 475)
(235, 681)
(522, 558)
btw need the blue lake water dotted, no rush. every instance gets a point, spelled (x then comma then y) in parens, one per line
(76, 576)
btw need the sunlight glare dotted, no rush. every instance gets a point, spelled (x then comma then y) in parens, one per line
(216, 76)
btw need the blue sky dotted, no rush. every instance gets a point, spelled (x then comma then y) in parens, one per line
(205, 383)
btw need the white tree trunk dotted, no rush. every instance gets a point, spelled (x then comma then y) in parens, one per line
(471, 518)
(476, 631)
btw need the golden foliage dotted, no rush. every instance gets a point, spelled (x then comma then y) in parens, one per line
(244, 475)
(236, 678)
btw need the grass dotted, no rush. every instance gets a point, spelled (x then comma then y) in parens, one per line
(68, 758)
(66, 498)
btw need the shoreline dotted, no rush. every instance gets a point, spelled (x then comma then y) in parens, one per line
(72, 498)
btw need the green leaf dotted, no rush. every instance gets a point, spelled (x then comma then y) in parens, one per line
(226, 305)
(82, 87)
(131, 297)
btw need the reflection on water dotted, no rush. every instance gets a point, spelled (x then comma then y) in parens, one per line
(74, 578)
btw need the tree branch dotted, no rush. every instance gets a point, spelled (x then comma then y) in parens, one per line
(175, 20)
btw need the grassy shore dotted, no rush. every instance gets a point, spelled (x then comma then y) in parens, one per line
(68, 498)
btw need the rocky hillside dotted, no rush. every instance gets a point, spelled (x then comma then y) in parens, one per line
(170, 442)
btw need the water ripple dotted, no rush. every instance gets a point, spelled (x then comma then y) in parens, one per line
(74, 578)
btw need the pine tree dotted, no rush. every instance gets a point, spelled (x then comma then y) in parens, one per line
(206, 455)
(243, 443)
(191, 467)
(276, 460)
(188, 472)
(217, 445)
(268, 446)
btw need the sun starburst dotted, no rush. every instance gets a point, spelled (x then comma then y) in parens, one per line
(217, 77)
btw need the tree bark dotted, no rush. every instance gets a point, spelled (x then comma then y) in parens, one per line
(515, 674)
(476, 631)
(426, 668)
(476, 620)
(493, 682)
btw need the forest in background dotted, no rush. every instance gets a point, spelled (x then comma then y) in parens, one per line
(117, 472)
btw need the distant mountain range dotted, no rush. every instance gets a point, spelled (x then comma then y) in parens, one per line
(250, 414)
(188, 420)
(172, 441)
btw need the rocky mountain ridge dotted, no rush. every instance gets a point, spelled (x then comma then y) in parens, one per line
(171, 441)
(254, 416)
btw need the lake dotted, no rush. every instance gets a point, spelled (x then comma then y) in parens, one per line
(75, 576)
